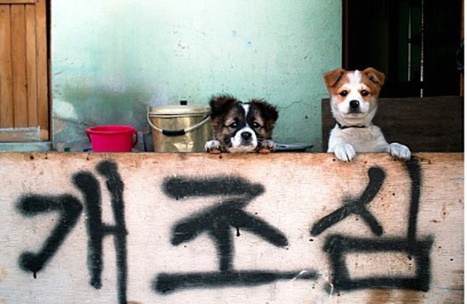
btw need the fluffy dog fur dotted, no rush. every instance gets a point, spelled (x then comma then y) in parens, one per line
(354, 101)
(241, 127)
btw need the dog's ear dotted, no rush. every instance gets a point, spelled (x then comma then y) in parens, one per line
(220, 104)
(374, 75)
(331, 78)
(268, 111)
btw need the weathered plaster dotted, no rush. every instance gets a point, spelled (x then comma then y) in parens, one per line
(113, 58)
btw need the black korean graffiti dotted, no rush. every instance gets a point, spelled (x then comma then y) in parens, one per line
(70, 209)
(356, 206)
(415, 175)
(218, 221)
(97, 230)
(339, 246)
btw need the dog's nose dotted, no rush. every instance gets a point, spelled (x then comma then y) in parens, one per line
(354, 104)
(246, 135)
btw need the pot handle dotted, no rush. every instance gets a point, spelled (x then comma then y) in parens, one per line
(179, 132)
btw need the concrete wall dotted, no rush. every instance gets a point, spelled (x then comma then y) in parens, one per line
(112, 58)
(134, 228)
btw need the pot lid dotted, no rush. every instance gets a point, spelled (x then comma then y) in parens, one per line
(182, 108)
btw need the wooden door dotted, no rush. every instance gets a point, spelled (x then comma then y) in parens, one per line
(24, 103)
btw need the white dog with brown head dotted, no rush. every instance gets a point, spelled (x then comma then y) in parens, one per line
(354, 101)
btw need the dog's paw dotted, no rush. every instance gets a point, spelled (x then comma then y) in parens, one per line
(344, 152)
(213, 146)
(267, 146)
(399, 151)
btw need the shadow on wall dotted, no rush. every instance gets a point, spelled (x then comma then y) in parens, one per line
(80, 107)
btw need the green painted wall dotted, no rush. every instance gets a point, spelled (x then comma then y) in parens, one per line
(113, 58)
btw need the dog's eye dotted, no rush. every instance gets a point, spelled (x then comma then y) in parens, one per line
(256, 125)
(233, 125)
(364, 93)
(343, 93)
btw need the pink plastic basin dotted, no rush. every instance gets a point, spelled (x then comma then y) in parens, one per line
(118, 138)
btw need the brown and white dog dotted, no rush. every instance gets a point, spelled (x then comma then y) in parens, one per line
(354, 101)
(241, 126)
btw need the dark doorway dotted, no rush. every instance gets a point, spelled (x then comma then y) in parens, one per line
(418, 44)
